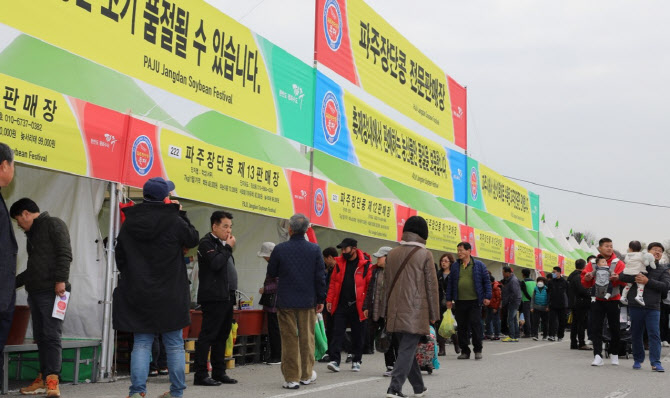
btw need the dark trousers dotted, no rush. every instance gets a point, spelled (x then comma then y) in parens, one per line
(47, 332)
(665, 329)
(158, 354)
(328, 324)
(391, 355)
(578, 327)
(557, 322)
(527, 316)
(599, 311)
(347, 315)
(406, 366)
(217, 319)
(468, 314)
(274, 336)
(5, 324)
(540, 317)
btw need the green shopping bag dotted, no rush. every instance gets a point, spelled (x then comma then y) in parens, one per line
(448, 325)
(320, 340)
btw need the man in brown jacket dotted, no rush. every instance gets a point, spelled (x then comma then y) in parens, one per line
(412, 304)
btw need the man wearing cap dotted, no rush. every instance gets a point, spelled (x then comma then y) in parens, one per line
(412, 302)
(269, 302)
(153, 294)
(217, 278)
(373, 302)
(346, 296)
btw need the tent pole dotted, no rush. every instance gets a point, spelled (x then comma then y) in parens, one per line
(107, 351)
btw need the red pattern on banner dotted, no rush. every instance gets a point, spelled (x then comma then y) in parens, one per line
(510, 257)
(468, 235)
(143, 156)
(402, 214)
(561, 263)
(340, 61)
(459, 102)
(539, 267)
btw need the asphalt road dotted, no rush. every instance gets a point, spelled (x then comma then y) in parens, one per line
(526, 369)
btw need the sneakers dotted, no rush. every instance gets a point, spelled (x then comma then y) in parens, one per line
(623, 300)
(274, 362)
(597, 361)
(333, 366)
(495, 338)
(614, 360)
(309, 381)
(52, 386)
(478, 355)
(509, 340)
(153, 373)
(463, 356)
(665, 344)
(391, 393)
(535, 338)
(422, 393)
(560, 339)
(138, 395)
(325, 358)
(551, 338)
(637, 365)
(36, 387)
(163, 371)
(657, 368)
(640, 300)
(291, 385)
(544, 338)
(389, 371)
(349, 358)
(356, 367)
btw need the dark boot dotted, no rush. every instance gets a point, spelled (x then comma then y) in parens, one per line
(454, 341)
(440, 352)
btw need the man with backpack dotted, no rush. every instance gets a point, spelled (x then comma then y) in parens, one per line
(603, 307)
(346, 296)
(527, 288)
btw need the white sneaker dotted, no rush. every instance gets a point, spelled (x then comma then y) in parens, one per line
(309, 381)
(640, 300)
(333, 366)
(597, 361)
(291, 385)
(389, 371)
(356, 367)
(665, 344)
(624, 300)
(614, 360)
(589, 342)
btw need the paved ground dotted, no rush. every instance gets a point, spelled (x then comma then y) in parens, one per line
(527, 369)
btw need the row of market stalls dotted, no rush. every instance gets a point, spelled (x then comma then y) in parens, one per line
(99, 99)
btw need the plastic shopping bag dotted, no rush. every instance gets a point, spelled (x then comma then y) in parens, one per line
(231, 340)
(320, 339)
(448, 325)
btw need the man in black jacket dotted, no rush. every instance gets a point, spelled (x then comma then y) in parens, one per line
(216, 295)
(579, 301)
(153, 294)
(46, 275)
(8, 250)
(558, 302)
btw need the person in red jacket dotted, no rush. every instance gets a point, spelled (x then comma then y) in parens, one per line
(346, 295)
(493, 311)
(602, 307)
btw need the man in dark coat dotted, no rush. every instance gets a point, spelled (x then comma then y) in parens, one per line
(8, 250)
(153, 294)
(558, 302)
(47, 272)
(216, 295)
(579, 300)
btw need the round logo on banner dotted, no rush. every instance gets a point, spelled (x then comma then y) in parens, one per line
(474, 183)
(332, 24)
(319, 202)
(330, 117)
(142, 155)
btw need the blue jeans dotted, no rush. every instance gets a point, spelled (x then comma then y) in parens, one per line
(141, 357)
(492, 323)
(512, 320)
(639, 317)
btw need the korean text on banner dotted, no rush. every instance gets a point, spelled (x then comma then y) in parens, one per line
(490, 246)
(188, 48)
(524, 255)
(549, 260)
(52, 131)
(349, 129)
(443, 235)
(358, 44)
(501, 197)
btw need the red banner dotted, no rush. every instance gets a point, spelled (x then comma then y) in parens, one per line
(459, 103)
(468, 235)
(509, 251)
(332, 45)
(539, 266)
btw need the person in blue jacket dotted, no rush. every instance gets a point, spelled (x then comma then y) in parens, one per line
(468, 288)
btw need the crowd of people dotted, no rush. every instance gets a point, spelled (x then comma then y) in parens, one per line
(399, 292)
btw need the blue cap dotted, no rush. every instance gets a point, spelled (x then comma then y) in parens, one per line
(156, 189)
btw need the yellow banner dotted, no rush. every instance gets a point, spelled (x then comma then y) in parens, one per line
(490, 245)
(394, 70)
(524, 255)
(39, 125)
(360, 213)
(504, 198)
(443, 235)
(389, 149)
(224, 177)
(569, 266)
(188, 48)
(549, 260)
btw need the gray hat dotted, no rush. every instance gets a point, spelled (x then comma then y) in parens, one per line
(383, 251)
(266, 249)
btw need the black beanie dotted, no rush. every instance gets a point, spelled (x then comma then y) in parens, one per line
(417, 225)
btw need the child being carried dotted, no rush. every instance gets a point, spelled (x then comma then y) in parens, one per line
(636, 263)
(602, 287)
